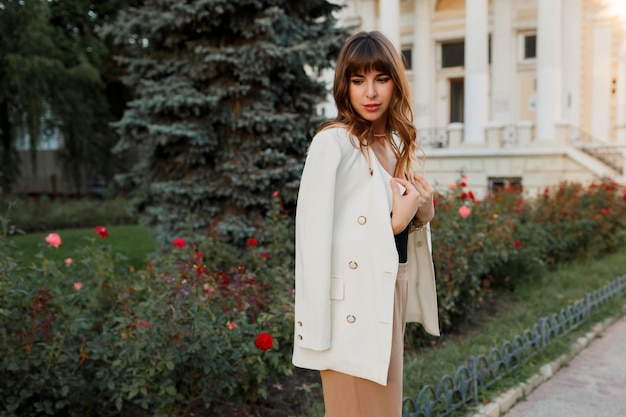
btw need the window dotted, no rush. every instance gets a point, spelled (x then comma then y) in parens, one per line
(498, 184)
(456, 100)
(407, 54)
(530, 46)
(452, 54)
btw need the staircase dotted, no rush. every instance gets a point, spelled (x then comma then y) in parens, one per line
(610, 155)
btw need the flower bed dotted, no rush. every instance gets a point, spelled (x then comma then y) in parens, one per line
(206, 328)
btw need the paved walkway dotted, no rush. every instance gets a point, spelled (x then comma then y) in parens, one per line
(592, 384)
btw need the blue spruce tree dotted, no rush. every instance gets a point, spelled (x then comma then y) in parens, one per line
(224, 106)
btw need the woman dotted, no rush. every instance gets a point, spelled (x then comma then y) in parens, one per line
(363, 259)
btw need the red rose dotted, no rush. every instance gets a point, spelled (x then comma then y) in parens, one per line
(251, 241)
(264, 255)
(179, 242)
(102, 231)
(518, 244)
(264, 341)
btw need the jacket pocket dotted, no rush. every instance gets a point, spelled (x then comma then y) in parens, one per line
(336, 288)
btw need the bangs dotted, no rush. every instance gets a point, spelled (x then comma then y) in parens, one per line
(368, 56)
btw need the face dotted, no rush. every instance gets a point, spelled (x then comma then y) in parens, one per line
(370, 95)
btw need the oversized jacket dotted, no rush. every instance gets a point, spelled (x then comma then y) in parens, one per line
(347, 262)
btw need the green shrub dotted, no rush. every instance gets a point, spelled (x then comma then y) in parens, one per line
(44, 214)
(493, 243)
(208, 326)
(184, 333)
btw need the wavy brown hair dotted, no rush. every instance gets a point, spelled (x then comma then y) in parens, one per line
(364, 52)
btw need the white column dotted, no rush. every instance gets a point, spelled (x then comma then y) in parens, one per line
(365, 10)
(502, 63)
(422, 62)
(620, 119)
(476, 75)
(389, 12)
(548, 108)
(601, 80)
(572, 47)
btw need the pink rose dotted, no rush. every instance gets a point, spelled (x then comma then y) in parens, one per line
(78, 286)
(69, 261)
(465, 211)
(53, 240)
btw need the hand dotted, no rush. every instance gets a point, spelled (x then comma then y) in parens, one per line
(426, 209)
(405, 202)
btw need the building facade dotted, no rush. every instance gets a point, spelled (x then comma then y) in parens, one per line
(532, 92)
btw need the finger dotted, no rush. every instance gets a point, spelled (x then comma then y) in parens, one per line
(408, 185)
(397, 188)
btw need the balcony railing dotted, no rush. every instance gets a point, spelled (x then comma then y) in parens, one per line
(433, 137)
(522, 134)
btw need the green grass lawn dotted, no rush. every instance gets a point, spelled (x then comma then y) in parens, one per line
(135, 242)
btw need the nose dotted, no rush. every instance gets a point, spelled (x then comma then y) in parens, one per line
(371, 90)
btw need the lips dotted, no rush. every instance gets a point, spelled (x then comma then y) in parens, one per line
(371, 107)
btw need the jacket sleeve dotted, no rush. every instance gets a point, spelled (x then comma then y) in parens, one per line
(314, 231)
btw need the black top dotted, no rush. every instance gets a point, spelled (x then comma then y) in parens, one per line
(402, 242)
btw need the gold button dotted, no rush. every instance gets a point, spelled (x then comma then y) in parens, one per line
(299, 337)
(350, 318)
(362, 220)
(299, 324)
(353, 265)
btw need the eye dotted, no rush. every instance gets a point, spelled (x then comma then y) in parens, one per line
(356, 81)
(383, 80)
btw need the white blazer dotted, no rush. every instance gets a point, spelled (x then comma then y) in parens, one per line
(347, 262)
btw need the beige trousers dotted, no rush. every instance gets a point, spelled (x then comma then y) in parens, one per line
(349, 396)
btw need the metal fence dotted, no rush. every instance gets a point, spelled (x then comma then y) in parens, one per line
(483, 371)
